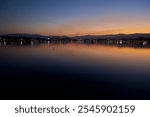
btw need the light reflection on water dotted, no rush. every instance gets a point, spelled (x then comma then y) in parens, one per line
(94, 71)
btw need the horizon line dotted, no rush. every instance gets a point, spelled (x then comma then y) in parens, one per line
(75, 35)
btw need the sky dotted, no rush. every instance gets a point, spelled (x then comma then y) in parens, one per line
(74, 17)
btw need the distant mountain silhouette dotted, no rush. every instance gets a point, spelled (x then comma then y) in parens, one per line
(116, 36)
(22, 35)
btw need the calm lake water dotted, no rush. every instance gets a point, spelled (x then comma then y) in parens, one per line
(74, 71)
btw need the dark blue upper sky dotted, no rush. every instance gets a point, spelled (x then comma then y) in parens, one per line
(74, 17)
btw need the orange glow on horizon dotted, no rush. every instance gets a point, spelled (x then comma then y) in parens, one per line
(118, 24)
(105, 32)
(129, 31)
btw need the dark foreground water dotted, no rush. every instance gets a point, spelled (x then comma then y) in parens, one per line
(74, 71)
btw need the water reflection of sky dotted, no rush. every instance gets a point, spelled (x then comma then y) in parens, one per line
(92, 63)
(110, 57)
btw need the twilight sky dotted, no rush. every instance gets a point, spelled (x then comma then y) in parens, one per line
(74, 17)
